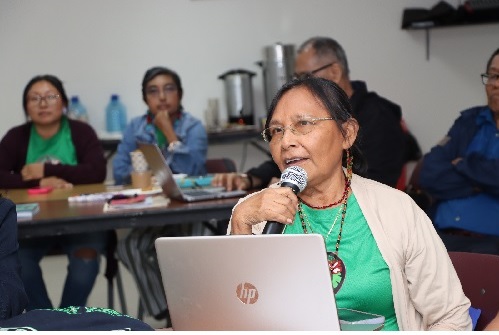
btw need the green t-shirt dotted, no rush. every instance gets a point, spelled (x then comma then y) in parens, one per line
(160, 137)
(364, 284)
(58, 149)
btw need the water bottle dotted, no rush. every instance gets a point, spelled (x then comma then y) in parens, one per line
(115, 115)
(76, 110)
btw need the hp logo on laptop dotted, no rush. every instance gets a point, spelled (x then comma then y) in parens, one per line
(247, 293)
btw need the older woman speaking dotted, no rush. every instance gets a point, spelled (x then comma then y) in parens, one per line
(384, 254)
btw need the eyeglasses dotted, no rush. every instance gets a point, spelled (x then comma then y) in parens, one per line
(300, 127)
(489, 79)
(303, 75)
(49, 99)
(154, 92)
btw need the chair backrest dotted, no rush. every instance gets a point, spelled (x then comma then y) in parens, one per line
(479, 275)
(220, 165)
(414, 178)
(420, 196)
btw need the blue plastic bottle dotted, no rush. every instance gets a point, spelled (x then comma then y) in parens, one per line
(76, 110)
(115, 115)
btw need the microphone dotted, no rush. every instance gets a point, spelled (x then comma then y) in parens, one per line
(295, 178)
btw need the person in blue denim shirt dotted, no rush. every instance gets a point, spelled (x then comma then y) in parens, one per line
(181, 137)
(183, 141)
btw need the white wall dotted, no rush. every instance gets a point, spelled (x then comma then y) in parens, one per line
(101, 47)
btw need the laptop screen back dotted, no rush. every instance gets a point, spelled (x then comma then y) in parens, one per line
(161, 170)
(246, 282)
(164, 177)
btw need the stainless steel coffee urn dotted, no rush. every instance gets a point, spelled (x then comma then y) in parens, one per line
(239, 96)
(278, 68)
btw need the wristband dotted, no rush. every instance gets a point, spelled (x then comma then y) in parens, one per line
(173, 145)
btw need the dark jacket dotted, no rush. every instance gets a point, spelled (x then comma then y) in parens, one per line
(381, 138)
(13, 298)
(91, 167)
(466, 194)
(472, 174)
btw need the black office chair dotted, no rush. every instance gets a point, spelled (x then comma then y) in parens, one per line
(422, 198)
(220, 165)
(113, 271)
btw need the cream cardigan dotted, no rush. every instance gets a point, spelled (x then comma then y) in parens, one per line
(426, 291)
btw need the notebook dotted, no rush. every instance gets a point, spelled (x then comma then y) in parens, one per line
(26, 211)
(247, 282)
(164, 176)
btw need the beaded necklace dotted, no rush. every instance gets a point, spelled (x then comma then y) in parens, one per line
(343, 197)
(332, 257)
(343, 210)
(304, 222)
(334, 262)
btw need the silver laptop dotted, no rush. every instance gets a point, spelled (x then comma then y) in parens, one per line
(164, 176)
(247, 282)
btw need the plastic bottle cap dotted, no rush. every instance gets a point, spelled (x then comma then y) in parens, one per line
(114, 97)
(74, 98)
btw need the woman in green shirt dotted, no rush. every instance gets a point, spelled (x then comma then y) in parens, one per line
(384, 256)
(51, 150)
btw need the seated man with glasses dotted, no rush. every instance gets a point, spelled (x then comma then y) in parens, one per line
(386, 145)
(461, 173)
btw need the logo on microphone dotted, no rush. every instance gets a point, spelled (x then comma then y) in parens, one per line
(296, 176)
(247, 293)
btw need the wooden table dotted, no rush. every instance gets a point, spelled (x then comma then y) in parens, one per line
(58, 216)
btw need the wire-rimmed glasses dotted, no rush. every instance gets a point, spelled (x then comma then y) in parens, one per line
(154, 91)
(489, 79)
(300, 127)
(49, 99)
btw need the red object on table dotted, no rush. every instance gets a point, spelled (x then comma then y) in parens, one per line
(40, 190)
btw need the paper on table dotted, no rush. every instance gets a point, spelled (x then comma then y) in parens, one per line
(108, 195)
(351, 319)
(149, 202)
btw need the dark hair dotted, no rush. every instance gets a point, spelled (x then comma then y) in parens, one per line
(327, 47)
(159, 70)
(53, 80)
(490, 60)
(336, 102)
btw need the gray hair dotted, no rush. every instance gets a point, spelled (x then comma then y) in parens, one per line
(327, 47)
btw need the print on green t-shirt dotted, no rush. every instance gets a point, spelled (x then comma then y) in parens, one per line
(59, 149)
(364, 284)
